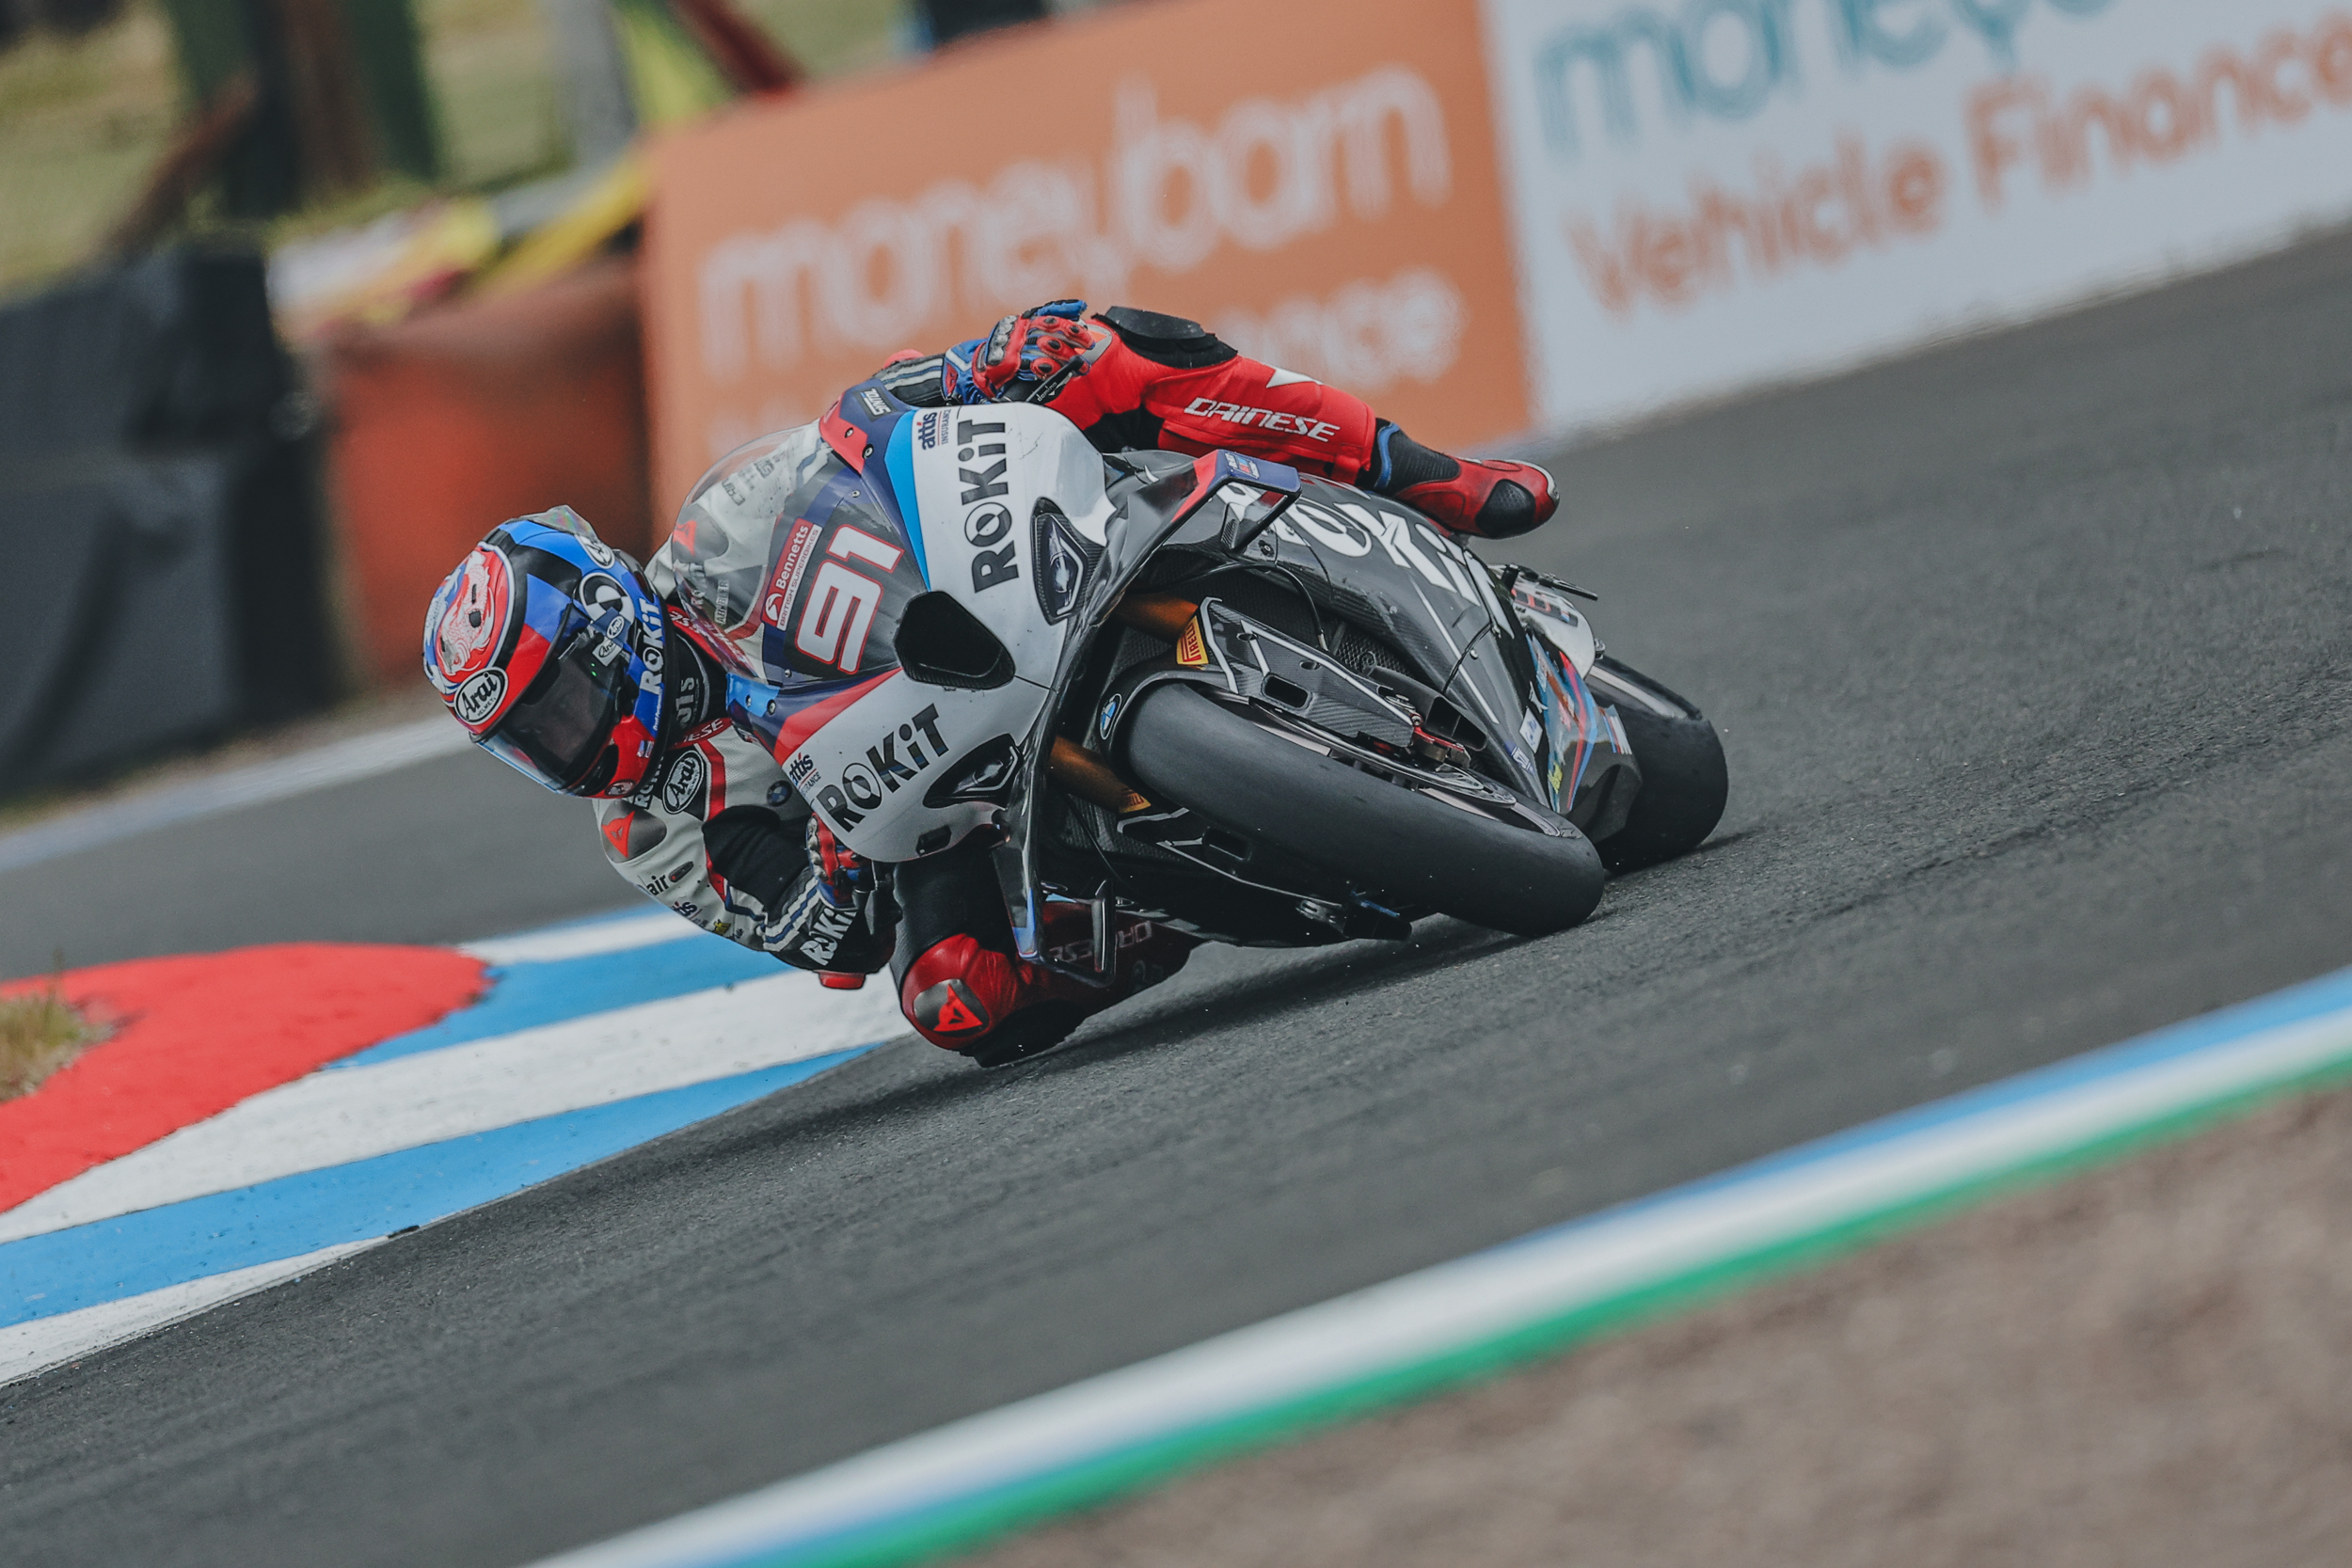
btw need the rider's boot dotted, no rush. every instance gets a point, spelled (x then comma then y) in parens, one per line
(996, 1007)
(1493, 499)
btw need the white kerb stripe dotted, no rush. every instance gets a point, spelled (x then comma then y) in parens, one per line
(31, 1347)
(1422, 1315)
(339, 1115)
(588, 940)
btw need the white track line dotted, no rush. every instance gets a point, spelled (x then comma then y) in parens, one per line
(586, 940)
(30, 1347)
(1423, 1316)
(338, 1114)
(257, 783)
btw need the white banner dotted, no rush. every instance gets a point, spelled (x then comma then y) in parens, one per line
(1716, 193)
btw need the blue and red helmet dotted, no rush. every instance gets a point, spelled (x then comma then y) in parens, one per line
(548, 645)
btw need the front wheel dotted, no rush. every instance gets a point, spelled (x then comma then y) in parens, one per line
(1401, 847)
(1684, 781)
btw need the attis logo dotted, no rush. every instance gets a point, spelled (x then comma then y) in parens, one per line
(478, 699)
(467, 633)
(929, 429)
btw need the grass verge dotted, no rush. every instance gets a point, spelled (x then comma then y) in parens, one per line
(40, 1032)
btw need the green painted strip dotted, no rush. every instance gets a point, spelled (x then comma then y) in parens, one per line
(968, 1523)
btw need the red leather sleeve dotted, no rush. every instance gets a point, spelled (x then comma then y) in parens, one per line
(1243, 406)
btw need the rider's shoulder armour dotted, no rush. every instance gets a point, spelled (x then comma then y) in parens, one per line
(1171, 340)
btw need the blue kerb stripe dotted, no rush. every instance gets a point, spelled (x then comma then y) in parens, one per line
(898, 458)
(526, 995)
(2299, 1004)
(110, 1259)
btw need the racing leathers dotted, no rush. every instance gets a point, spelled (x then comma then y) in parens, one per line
(1134, 378)
(719, 833)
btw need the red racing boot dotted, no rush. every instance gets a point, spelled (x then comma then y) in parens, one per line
(1493, 499)
(996, 1007)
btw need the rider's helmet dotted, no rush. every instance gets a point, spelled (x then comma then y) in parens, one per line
(548, 645)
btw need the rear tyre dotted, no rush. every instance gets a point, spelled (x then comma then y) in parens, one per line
(1684, 779)
(1398, 846)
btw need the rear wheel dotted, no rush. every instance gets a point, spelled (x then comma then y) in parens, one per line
(1402, 847)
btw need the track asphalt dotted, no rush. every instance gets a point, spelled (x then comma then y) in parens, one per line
(2033, 658)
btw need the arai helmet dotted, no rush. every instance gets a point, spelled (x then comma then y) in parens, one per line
(548, 645)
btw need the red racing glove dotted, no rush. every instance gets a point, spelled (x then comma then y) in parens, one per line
(1045, 345)
(843, 877)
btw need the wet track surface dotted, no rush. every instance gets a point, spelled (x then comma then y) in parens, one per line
(2034, 662)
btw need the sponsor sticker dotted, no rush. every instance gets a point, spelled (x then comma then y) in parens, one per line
(875, 403)
(792, 563)
(1110, 716)
(891, 762)
(480, 698)
(683, 786)
(1616, 730)
(1191, 651)
(985, 525)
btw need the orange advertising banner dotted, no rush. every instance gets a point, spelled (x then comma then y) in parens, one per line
(1313, 179)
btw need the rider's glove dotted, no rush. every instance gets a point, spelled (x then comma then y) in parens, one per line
(1038, 345)
(843, 877)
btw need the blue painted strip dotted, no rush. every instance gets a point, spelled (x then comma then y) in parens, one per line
(898, 459)
(524, 996)
(2298, 1004)
(109, 1259)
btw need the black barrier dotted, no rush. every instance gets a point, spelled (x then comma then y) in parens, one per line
(163, 581)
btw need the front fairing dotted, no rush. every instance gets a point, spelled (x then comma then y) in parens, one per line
(1001, 506)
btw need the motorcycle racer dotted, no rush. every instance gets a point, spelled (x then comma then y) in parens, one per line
(604, 680)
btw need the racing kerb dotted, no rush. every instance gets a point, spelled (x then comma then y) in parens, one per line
(963, 1482)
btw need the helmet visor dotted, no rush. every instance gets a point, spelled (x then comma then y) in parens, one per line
(559, 728)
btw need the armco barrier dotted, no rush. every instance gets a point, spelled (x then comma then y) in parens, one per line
(156, 511)
(453, 421)
(1314, 178)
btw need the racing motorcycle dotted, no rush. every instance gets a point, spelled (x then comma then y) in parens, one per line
(1268, 709)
